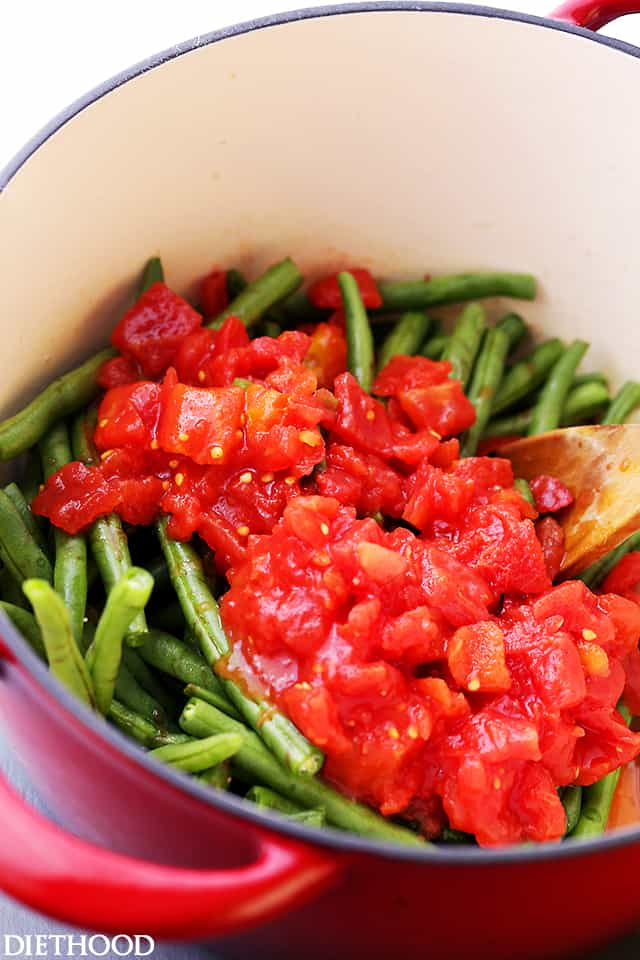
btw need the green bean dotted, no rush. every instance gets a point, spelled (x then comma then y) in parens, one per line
(65, 659)
(572, 803)
(218, 700)
(62, 397)
(128, 691)
(70, 568)
(583, 404)
(127, 598)
(201, 613)
(295, 310)
(10, 584)
(199, 755)
(420, 294)
(139, 728)
(527, 374)
(523, 487)
(143, 676)
(405, 338)
(152, 273)
(218, 776)
(31, 477)
(624, 403)
(581, 378)
(597, 799)
(360, 353)
(548, 409)
(19, 501)
(435, 348)
(274, 285)
(264, 797)
(107, 539)
(27, 625)
(465, 341)
(172, 656)
(487, 375)
(312, 818)
(254, 761)
(236, 283)
(599, 569)
(26, 559)
(515, 329)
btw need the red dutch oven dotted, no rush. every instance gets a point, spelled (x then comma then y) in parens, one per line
(397, 136)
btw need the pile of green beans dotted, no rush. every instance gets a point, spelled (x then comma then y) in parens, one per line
(107, 625)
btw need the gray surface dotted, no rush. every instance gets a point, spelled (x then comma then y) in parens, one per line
(15, 919)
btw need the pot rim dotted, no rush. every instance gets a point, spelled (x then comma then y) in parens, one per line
(61, 697)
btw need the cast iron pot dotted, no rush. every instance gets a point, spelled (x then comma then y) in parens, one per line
(398, 136)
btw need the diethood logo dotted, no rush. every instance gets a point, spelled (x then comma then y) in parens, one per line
(77, 945)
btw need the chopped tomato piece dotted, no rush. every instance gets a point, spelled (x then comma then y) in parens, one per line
(75, 496)
(442, 407)
(476, 658)
(213, 293)
(128, 416)
(550, 494)
(325, 293)
(408, 373)
(625, 577)
(551, 537)
(327, 354)
(203, 423)
(118, 371)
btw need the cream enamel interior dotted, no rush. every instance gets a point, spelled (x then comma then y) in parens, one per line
(406, 141)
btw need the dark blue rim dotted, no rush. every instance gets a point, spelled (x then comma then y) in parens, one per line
(25, 655)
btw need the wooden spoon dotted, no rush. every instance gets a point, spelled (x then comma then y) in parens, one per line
(601, 467)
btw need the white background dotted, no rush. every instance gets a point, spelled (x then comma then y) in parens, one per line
(55, 50)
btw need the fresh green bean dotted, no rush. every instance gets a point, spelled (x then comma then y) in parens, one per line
(199, 755)
(65, 659)
(572, 803)
(152, 273)
(201, 613)
(218, 700)
(597, 799)
(62, 397)
(274, 285)
(583, 404)
(295, 310)
(581, 378)
(436, 347)
(312, 818)
(144, 677)
(26, 558)
(236, 283)
(127, 598)
(254, 761)
(465, 341)
(265, 797)
(19, 501)
(128, 691)
(360, 353)
(27, 625)
(420, 294)
(10, 583)
(141, 729)
(172, 656)
(405, 338)
(548, 409)
(624, 403)
(107, 539)
(527, 374)
(218, 776)
(599, 569)
(487, 375)
(70, 568)
(515, 329)
(523, 487)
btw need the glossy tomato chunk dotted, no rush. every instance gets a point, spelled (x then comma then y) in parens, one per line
(550, 493)
(213, 293)
(152, 329)
(202, 423)
(128, 416)
(325, 293)
(75, 496)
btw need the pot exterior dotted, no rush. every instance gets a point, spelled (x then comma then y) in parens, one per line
(375, 907)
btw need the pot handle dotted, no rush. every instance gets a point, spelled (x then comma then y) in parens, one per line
(594, 15)
(58, 874)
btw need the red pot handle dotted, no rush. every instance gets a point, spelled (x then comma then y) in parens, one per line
(593, 14)
(60, 875)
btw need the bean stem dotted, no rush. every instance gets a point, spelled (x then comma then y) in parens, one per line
(199, 755)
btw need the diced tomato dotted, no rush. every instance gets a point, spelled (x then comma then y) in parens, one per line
(117, 372)
(327, 354)
(203, 423)
(128, 416)
(213, 293)
(442, 407)
(75, 496)
(550, 494)
(409, 373)
(625, 577)
(476, 658)
(140, 499)
(325, 293)
(193, 355)
(361, 421)
(551, 537)
(152, 329)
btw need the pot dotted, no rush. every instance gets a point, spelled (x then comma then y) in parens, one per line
(402, 137)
